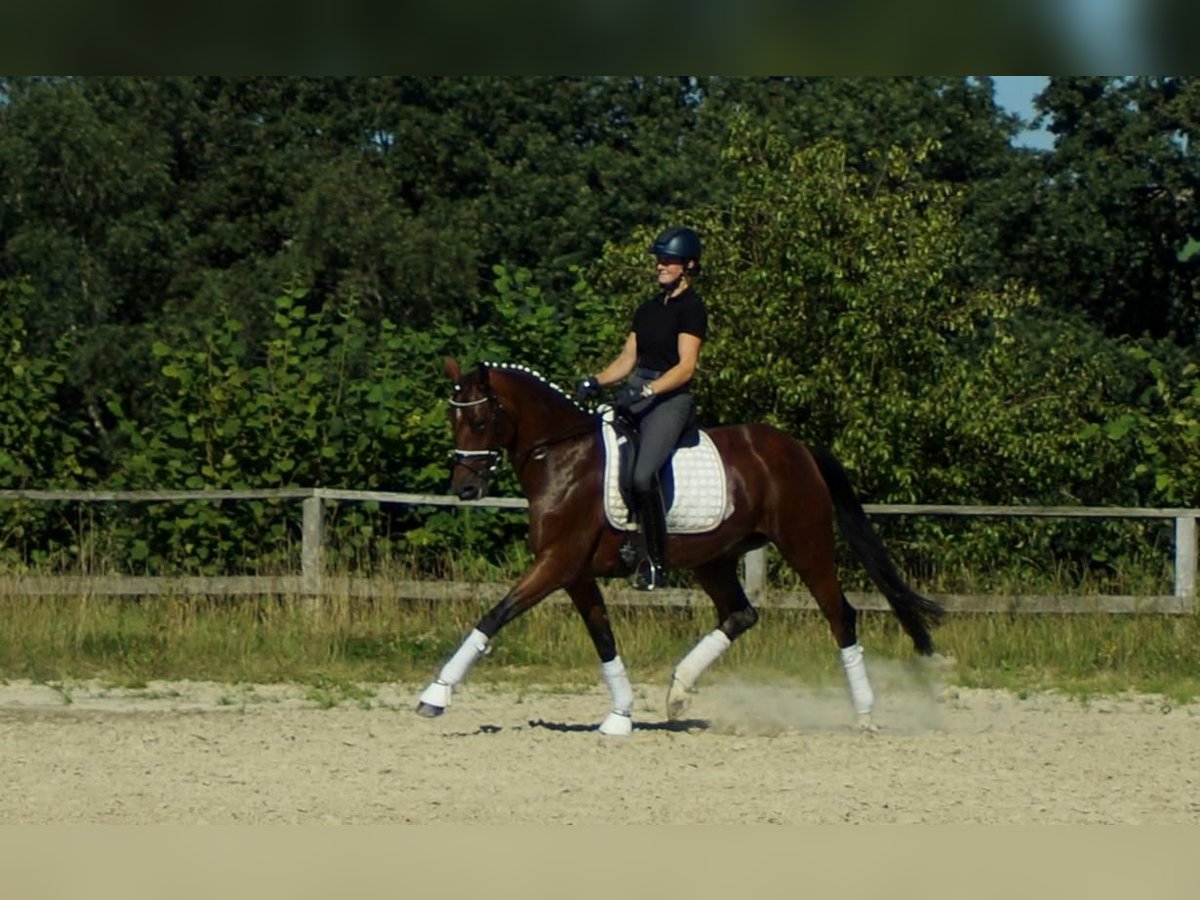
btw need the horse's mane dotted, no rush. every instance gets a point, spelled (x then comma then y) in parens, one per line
(537, 376)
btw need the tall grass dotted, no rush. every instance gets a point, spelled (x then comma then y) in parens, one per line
(346, 640)
(355, 640)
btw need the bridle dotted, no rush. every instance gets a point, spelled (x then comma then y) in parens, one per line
(491, 456)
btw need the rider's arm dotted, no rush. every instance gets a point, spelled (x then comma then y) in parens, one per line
(680, 373)
(620, 367)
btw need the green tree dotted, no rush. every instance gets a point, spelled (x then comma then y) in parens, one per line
(842, 312)
(322, 400)
(1116, 207)
(41, 446)
(1161, 431)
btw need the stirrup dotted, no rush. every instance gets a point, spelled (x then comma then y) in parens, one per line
(650, 576)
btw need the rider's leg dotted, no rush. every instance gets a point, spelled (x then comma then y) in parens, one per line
(653, 520)
(660, 428)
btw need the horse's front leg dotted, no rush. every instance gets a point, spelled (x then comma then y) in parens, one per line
(542, 578)
(586, 596)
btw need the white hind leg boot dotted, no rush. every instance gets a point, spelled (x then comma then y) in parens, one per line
(437, 695)
(860, 686)
(704, 654)
(619, 722)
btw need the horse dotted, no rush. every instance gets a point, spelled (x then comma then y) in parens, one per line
(780, 490)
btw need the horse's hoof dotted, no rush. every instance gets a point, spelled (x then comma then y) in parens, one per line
(865, 725)
(679, 701)
(617, 724)
(436, 697)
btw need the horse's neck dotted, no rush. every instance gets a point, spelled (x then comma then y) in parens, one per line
(543, 414)
(544, 417)
(543, 423)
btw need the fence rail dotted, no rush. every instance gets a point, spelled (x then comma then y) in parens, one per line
(314, 582)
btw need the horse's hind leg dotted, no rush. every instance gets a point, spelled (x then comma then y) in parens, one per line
(719, 579)
(586, 596)
(812, 556)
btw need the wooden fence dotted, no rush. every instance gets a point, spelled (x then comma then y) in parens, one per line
(313, 581)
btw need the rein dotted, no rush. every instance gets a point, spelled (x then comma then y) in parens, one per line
(521, 458)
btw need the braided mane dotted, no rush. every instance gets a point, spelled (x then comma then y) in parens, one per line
(533, 373)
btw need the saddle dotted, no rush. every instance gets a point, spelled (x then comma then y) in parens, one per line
(692, 481)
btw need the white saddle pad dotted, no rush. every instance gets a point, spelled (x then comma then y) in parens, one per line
(701, 500)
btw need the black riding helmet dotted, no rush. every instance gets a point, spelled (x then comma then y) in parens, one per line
(681, 242)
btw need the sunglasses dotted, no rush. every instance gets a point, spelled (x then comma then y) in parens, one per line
(670, 260)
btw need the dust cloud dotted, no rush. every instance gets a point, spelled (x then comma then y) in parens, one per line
(906, 702)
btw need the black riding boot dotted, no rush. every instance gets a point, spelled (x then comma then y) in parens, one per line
(652, 573)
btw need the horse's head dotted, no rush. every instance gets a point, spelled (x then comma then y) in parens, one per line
(478, 422)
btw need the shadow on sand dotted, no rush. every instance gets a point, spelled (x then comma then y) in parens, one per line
(680, 725)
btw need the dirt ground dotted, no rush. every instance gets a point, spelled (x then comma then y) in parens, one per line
(186, 753)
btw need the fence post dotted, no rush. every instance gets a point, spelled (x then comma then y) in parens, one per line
(755, 572)
(312, 549)
(1185, 560)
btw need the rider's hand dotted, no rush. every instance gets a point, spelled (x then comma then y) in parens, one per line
(587, 389)
(627, 396)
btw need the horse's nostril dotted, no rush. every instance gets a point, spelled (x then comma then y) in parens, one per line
(469, 492)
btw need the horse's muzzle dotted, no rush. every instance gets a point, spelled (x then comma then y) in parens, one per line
(469, 478)
(472, 490)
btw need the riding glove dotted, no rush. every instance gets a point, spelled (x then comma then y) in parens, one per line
(628, 396)
(588, 388)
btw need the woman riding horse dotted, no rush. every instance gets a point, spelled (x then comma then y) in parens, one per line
(779, 490)
(659, 359)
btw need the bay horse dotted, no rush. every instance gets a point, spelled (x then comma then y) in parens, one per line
(781, 491)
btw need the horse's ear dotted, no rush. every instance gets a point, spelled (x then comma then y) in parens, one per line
(452, 369)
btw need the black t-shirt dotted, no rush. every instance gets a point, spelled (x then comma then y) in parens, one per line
(658, 326)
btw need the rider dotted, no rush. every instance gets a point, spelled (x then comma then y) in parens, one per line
(658, 361)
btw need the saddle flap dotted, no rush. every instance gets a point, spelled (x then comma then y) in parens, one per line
(627, 442)
(695, 493)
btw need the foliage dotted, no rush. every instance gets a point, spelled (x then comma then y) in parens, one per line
(1162, 431)
(521, 318)
(321, 400)
(1116, 204)
(842, 312)
(39, 446)
(225, 282)
(876, 345)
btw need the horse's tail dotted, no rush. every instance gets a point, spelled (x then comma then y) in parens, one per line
(917, 614)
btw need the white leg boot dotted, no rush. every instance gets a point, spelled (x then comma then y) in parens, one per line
(704, 654)
(619, 722)
(435, 698)
(861, 694)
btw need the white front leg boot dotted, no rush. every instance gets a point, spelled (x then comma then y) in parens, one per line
(619, 722)
(860, 686)
(435, 698)
(704, 654)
